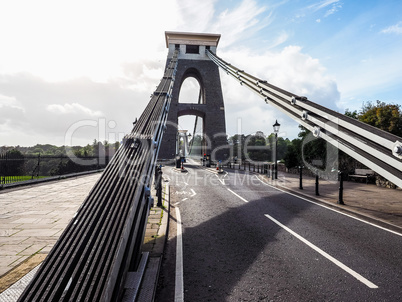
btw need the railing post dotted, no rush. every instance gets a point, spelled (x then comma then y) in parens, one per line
(316, 185)
(38, 165)
(340, 199)
(301, 177)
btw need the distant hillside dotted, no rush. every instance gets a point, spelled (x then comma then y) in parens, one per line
(95, 149)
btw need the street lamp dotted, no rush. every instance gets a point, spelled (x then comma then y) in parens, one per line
(276, 130)
(189, 144)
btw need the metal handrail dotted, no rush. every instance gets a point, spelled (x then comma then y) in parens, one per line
(102, 243)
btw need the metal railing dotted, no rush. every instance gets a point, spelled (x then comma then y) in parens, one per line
(103, 241)
(28, 167)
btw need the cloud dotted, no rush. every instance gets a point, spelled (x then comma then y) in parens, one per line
(394, 29)
(92, 62)
(241, 22)
(194, 15)
(38, 111)
(322, 4)
(74, 108)
(279, 39)
(72, 38)
(334, 5)
(289, 69)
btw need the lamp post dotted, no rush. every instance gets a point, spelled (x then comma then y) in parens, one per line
(276, 130)
(189, 144)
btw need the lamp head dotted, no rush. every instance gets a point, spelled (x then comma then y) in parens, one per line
(276, 126)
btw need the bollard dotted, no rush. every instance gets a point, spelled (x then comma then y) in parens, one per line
(156, 175)
(316, 186)
(340, 199)
(301, 178)
(159, 188)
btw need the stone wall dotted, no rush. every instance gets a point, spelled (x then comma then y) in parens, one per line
(382, 182)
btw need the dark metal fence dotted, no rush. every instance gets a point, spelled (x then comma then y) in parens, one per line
(101, 245)
(16, 167)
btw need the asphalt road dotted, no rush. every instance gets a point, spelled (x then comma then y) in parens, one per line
(234, 238)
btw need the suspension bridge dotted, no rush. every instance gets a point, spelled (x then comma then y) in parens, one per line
(102, 243)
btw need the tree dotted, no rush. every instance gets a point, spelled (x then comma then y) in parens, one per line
(238, 141)
(387, 117)
(14, 163)
(311, 148)
(352, 114)
(256, 147)
(292, 156)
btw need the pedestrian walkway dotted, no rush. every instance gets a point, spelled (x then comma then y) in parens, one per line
(374, 202)
(32, 219)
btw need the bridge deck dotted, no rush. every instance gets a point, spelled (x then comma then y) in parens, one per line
(32, 219)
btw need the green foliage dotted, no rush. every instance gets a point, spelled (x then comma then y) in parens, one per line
(292, 156)
(352, 114)
(387, 117)
(257, 147)
(14, 164)
(46, 160)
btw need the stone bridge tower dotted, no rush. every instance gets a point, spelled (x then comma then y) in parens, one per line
(193, 62)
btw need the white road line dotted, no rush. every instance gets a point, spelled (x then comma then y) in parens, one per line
(329, 257)
(329, 208)
(184, 199)
(179, 287)
(221, 180)
(237, 195)
(193, 193)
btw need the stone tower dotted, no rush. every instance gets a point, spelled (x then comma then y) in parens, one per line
(193, 62)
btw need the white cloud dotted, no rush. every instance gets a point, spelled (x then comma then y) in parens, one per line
(289, 69)
(240, 22)
(394, 29)
(66, 39)
(72, 108)
(322, 4)
(334, 5)
(100, 59)
(9, 101)
(280, 39)
(194, 15)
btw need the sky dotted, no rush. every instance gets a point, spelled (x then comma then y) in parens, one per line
(74, 71)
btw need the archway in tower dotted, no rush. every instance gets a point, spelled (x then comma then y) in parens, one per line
(190, 136)
(190, 141)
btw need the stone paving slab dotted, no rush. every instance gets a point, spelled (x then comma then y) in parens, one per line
(32, 218)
